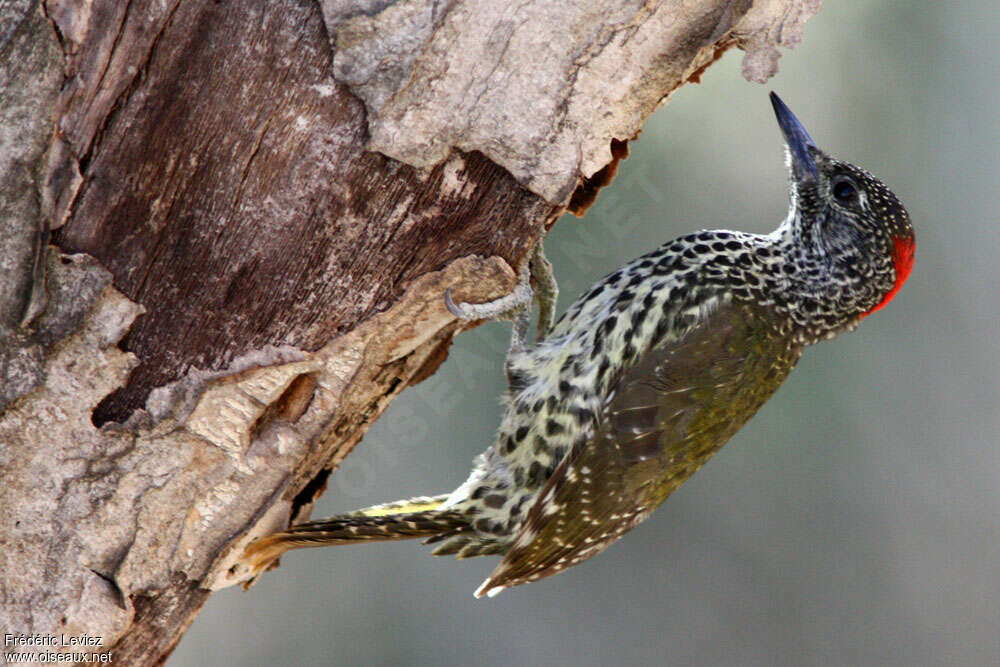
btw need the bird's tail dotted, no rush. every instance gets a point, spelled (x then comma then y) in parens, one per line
(400, 520)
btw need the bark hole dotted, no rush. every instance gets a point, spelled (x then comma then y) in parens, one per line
(586, 193)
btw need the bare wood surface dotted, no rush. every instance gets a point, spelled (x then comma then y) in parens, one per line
(257, 209)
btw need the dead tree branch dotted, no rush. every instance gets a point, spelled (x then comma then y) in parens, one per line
(226, 232)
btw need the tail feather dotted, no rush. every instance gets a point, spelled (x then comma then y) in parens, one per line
(404, 519)
(465, 543)
(417, 504)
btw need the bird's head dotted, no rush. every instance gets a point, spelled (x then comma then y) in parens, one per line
(854, 237)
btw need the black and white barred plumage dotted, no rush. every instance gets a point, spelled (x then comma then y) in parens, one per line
(649, 372)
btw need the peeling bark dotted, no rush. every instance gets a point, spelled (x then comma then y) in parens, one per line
(257, 208)
(607, 66)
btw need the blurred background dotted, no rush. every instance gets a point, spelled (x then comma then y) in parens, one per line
(855, 520)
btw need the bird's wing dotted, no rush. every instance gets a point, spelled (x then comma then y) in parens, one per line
(664, 418)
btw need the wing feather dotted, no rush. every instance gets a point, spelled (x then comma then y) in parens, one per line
(666, 416)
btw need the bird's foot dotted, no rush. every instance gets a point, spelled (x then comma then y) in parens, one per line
(516, 306)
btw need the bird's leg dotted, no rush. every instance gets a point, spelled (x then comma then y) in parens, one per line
(516, 306)
(546, 289)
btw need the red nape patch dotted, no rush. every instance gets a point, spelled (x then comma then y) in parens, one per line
(902, 257)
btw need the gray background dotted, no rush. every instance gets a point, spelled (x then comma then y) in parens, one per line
(856, 520)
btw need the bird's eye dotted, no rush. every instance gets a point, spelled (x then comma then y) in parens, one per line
(845, 191)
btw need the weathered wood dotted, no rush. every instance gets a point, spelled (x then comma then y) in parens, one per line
(268, 183)
(241, 280)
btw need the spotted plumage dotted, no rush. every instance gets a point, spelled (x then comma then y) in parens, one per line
(648, 374)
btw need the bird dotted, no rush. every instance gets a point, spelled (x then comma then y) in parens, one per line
(647, 374)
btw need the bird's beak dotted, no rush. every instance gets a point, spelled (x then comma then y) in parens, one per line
(798, 140)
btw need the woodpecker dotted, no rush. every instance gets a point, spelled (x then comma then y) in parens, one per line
(647, 374)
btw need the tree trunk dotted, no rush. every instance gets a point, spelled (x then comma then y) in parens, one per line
(227, 229)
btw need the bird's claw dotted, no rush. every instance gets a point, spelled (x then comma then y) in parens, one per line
(516, 306)
(453, 307)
